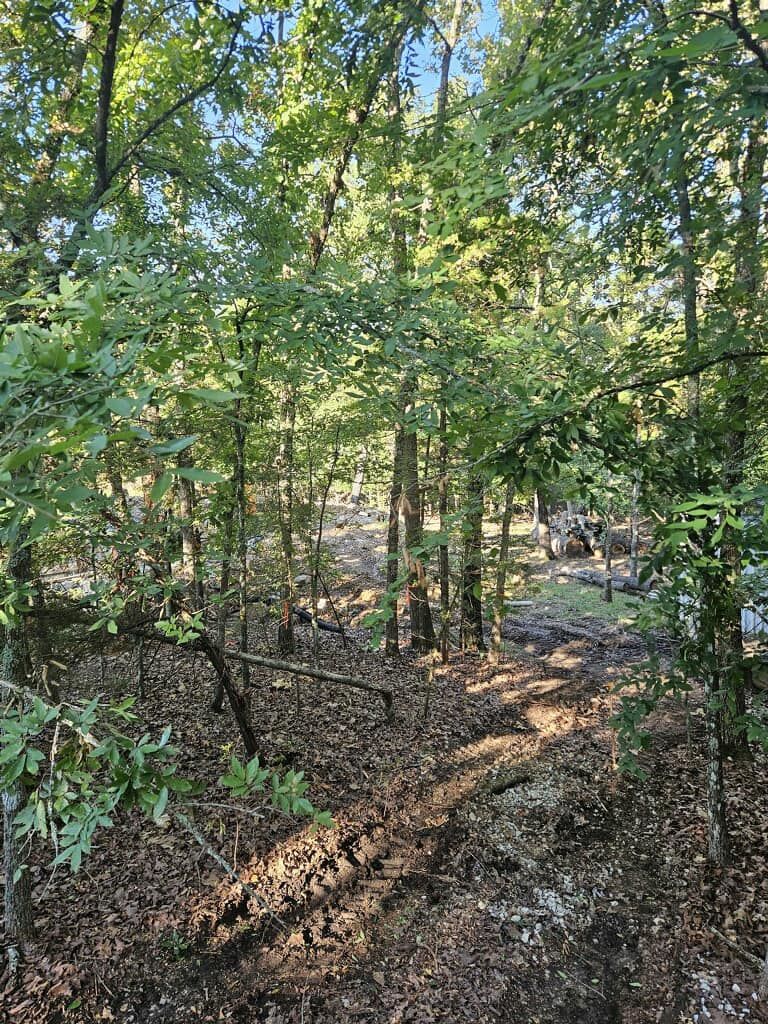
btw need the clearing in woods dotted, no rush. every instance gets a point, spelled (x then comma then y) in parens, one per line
(487, 864)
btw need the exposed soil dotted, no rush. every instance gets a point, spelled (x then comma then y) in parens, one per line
(488, 864)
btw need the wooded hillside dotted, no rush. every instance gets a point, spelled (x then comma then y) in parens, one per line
(384, 510)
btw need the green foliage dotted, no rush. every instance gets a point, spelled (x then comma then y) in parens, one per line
(79, 769)
(77, 780)
(286, 792)
(701, 592)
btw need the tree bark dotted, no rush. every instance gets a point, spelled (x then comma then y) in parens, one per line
(472, 574)
(718, 841)
(747, 279)
(444, 566)
(391, 639)
(501, 575)
(217, 704)
(690, 284)
(543, 536)
(422, 628)
(608, 564)
(190, 538)
(19, 915)
(634, 526)
(237, 700)
(318, 543)
(286, 642)
(241, 512)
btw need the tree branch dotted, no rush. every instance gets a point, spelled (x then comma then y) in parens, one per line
(314, 673)
(105, 99)
(754, 45)
(184, 101)
(644, 384)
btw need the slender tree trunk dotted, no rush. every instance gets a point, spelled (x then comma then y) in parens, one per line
(748, 278)
(19, 916)
(237, 700)
(391, 639)
(719, 846)
(472, 575)
(399, 245)
(690, 284)
(241, 512)
(718, 828)
(543, 536)
(608, 541)
(422, 629)
(634, 523)
(444, 566)
(315, 578)
(190, 539)
(217, 704)
(285, 637)
(501, 574)
(425, 477)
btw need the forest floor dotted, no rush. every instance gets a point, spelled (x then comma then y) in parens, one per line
(487, 865)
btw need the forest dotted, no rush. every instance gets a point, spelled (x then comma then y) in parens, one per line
(384, 511)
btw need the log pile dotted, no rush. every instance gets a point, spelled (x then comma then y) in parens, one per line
(575, 535)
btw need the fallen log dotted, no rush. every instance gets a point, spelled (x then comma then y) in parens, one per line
(314, 673)
(304, 616)
(628, 584)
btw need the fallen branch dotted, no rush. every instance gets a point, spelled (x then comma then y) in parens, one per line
(215, 855)
(628, 584)
(314, 673)
(743, 953)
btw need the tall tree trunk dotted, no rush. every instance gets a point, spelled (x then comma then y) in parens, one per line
(718, 846)
(501, 574)
(708, 630)
(241, 512)
(607, 543)
(399, 246)
(425, 478)
(217, 704)
(190, 538)
(315, 575)
(690, 284)
(391, 638)
(444, 566)
(634, 528)
(748, 279)
(19, 917)
(543, 536)
(422, 629)
(472, 574)
(285, 637)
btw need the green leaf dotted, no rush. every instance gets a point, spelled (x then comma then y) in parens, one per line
(205, 476)
(160, 804)
(180, 444)
(212, 396)
(160, 487)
